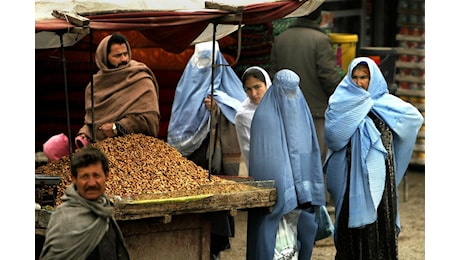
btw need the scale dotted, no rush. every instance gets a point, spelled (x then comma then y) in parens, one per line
(46, 187)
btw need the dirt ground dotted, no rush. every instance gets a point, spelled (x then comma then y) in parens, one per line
(411, 240)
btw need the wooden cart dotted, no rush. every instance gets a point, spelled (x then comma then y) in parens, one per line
(176, 228)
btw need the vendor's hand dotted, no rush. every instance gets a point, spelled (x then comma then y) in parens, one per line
(107, 129)
(81, 141)
(207, 103)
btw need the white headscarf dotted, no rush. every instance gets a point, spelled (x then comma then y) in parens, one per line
(244, 116)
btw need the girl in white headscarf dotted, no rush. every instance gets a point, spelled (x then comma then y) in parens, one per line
(256, 81)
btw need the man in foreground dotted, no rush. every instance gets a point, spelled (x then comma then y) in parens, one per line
(83, 226)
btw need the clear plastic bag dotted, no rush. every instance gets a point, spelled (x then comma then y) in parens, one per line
(286, 237)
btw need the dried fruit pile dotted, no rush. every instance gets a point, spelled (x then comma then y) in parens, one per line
(141, 165)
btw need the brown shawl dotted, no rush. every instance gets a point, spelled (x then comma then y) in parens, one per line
(127, 95)
(226, 153)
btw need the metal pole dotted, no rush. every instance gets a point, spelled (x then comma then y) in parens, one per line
(211, 136)
(93, 128)
(64, 69)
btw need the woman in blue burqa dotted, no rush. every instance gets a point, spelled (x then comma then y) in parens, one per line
(190, 128)
(370, 135)
(210, 141)
(284, 148)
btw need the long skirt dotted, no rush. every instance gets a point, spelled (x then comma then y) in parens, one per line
(378, 240)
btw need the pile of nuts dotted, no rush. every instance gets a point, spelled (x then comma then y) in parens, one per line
(141, 164)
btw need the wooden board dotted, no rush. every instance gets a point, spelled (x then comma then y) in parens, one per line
(258, 198)
(262, 196)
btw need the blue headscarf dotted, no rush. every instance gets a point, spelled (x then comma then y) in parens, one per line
(188, 125)
(346, 119)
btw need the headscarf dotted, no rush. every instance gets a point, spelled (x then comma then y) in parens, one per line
(244, 116)
(347, 119)
(102, 55)
(188, 125)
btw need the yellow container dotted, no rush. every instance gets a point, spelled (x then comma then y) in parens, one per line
(345, 47)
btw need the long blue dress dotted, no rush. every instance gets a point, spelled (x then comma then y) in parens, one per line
(284, 148)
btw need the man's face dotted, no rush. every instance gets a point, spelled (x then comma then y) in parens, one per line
(118, 55)
(90, 181)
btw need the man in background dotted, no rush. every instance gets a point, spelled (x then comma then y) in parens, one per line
(308, 51)
(125, 95)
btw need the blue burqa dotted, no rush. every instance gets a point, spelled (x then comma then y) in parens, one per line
(284, 148)
(347, 120)
(188, 125)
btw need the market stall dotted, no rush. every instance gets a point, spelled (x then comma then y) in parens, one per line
(169, 212)
(162, 35)
(176, 228)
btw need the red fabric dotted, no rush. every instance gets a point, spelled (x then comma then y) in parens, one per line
(51, 25)
(267, 12)
(173, 31)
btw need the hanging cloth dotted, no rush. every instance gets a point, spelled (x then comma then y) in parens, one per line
(188, 125)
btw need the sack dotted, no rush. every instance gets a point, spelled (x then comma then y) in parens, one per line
(325, 225)
(286, 237)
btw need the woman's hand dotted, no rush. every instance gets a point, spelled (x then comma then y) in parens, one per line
(207, 103)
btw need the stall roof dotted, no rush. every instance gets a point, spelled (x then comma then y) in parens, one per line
(169, 24)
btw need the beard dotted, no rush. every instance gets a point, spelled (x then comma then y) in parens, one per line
(111, 66)
(122, 63)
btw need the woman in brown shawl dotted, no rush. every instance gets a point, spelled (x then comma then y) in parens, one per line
(125, 94)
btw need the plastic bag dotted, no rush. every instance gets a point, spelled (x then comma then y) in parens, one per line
(56, 147)
(325, 225)
(286, 237)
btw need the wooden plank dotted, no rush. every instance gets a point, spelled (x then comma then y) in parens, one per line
(72, 18)
(230, 8)
(165, 211)
(235, 16)
(260, 198)
(162, 208)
